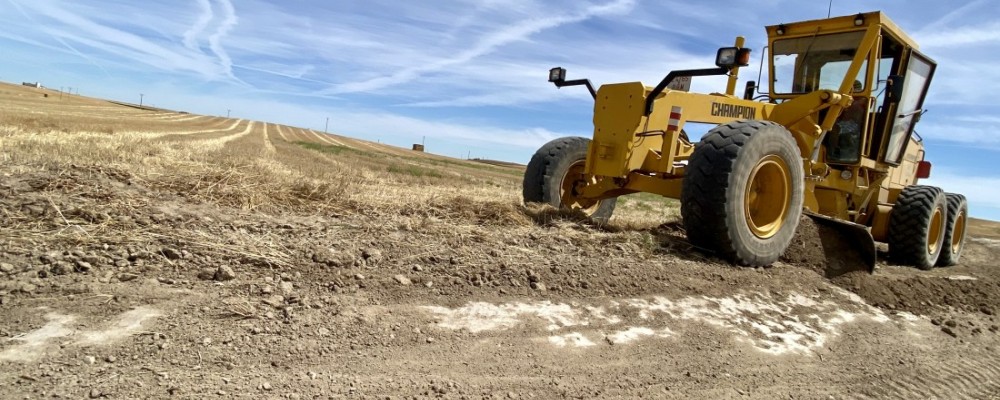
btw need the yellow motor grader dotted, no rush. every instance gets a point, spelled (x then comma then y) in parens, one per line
(832, 136)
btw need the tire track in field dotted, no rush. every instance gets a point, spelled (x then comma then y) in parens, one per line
(221, 141)
(960, 377)
(322, 138)
(364, 144)
(333, 139)
(199, 131)
(267, 141)
(281, 133)
(296, 135)
(190, 118)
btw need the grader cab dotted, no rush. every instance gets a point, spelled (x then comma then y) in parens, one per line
(831, 134)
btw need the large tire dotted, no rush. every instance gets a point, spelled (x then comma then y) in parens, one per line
(954, 231)
(917, 226)
(551, 174)
(743, 191)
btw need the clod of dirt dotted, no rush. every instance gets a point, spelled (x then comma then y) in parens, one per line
(6, 268)
(27, 288)
(207, 274)
(225, 273)
(61, 268)
(402, 280)
(372, 255)
(286, 288)
(275, 301)
(170, 253)
(332, 258)
(949, 331)
(83, 266)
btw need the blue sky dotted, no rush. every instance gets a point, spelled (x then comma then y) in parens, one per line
(470, 75)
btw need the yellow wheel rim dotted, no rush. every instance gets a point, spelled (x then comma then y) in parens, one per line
(934, 234)
(567, 194)
(958, 232)
(767, 196)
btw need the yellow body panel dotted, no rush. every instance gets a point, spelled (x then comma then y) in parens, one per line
(625, 140)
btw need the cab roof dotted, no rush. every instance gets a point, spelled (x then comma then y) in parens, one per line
(840, 24)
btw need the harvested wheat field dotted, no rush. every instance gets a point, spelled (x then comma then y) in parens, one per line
(153, 254)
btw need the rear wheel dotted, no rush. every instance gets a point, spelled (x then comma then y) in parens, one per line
(954, 232)
(743, 191)
(554, 173)
(917, 226)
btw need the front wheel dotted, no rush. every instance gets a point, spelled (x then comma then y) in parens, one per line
(743, 191)
(554, 173)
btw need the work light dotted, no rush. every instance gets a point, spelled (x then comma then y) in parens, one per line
(557, 74)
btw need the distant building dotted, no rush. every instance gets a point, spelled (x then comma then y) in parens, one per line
(418, 147)
(30, 84)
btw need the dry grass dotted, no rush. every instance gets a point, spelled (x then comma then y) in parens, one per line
(265, 167)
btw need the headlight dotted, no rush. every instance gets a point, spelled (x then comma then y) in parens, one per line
(729, 57)
(726, 57)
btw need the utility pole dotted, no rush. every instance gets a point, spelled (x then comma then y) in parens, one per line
(227, 112)
(327, 126)
(140, 99)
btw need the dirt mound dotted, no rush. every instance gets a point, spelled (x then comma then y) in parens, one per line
(923, 294)
(823, 249)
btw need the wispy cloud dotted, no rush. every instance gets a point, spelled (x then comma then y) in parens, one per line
(962, 36)
(78, 27)
(487, 44)
(191, 35)
(61, 41)
(215, 40)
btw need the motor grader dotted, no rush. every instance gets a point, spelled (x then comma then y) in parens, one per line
(831, 134)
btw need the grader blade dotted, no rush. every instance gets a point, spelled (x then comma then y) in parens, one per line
(848, 246)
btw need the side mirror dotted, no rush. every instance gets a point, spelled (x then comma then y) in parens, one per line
(895, 87)
(749, 90)
(729, 57)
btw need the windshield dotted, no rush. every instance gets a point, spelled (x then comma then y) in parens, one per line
(807, 64)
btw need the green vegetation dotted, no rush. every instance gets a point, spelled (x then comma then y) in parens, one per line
(650, 200)
(413, 170)
(408, 170)
(335, 149)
